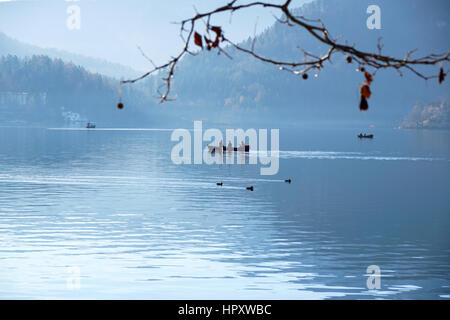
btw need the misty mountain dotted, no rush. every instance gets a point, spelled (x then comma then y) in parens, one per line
(11, 46)
(242, 89)
(246, 88)
(44, 91)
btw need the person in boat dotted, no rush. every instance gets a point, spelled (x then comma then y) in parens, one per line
(230, 146)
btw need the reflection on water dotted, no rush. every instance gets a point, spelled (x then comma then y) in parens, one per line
(111, 203)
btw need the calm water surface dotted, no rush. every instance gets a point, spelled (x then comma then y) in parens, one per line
(111, 205)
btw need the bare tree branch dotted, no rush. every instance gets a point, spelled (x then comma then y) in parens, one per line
(310, 61)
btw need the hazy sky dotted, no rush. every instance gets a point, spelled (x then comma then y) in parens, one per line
(112, 29)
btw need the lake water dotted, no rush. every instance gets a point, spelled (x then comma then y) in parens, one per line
(102, 214)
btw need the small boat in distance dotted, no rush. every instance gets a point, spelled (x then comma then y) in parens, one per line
(245, 148)
(365, 136)
(90, 125)
(213, 149)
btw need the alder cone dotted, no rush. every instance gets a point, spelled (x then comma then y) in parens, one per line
(369, 77)
(365, 91)
(198, 40)
(363, 105)
(441, 75)
(120, 106)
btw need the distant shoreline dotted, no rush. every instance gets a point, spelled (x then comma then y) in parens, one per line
(432, 116)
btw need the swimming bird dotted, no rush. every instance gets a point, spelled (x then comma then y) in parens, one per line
(288, 181)
(250, 188)
(219, 184)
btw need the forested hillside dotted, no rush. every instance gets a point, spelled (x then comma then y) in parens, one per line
(432, 116)
(244, 87)
(11, 46)
(41, 90)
